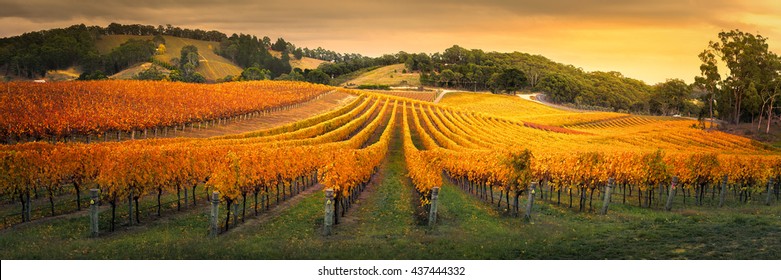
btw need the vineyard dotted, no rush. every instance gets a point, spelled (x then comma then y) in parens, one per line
(328, 164)
(416, 95)
(62, 111)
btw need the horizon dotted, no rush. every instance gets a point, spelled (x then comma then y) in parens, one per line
(651, 42)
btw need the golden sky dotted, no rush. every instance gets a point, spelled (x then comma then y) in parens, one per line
(647, 40)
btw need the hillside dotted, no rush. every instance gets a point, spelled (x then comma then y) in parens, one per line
(303, 63)
(392, 75)
(212, 66)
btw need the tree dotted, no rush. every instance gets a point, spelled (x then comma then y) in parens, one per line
(455, 55)
(671, 96)
(186, 57)
(158, 39)
(316, 76)
(295, 75)
(161, 49)
(709, 79)
(560, 87)
(770, 88)
(280, 45)
(446, 77)
(298, 53)
(188, 69)
(508, 80)
(194, 59)
(266, 42)
(152, 74)
(255, 74)
(94, 75)
(746, 56)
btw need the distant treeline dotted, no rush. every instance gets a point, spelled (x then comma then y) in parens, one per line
(31, 54)
(149, 30)
(248, 51)
(475, 69)
(748, 93)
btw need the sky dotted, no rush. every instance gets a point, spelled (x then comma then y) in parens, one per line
(647, 40)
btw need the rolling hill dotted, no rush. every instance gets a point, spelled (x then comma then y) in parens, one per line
(212, 66)
(391, 75)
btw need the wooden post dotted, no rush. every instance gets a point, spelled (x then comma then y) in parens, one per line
(723, 190)
(213, 227)
(769, 191)
(93, 212)
(608, 190)
(530, 202)
(328, 219)
(432, 214)
(671, 196)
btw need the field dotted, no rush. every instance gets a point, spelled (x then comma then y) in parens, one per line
(512, 107)
(391, 75)
(303, 63)
(417, 95)
(99, 108)
(387, 177)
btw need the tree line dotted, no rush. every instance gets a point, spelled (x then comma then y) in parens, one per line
(747, 94)
(32, 54)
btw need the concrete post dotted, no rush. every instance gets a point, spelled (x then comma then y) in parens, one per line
(608, 190)
(93, 212)
(213, 227)
(530, 202)
(769, 192)
(432, 214)
(236, 213)
(671, 196)
(328, 219)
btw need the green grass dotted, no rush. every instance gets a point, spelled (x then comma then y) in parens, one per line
(388, 75)
(383, 225)
(343, 79)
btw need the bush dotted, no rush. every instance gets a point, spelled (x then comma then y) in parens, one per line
(150, 74)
